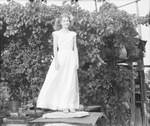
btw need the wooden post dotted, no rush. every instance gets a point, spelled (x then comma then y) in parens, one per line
(143, 91)
(142, 77)
(132, 123)
(95, 5)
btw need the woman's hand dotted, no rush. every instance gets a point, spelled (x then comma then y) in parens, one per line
(77, 66)
(57, 66)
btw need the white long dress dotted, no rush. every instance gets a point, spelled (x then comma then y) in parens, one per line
(60, 89)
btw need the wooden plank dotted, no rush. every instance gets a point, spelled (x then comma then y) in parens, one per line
(142, 90)
(132, 123)
(91, 120)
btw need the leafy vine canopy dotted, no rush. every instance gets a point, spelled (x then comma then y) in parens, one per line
(92, 28)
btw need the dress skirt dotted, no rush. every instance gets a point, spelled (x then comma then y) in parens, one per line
(60, 89)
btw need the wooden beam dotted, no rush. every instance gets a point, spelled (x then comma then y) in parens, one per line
(132, 123)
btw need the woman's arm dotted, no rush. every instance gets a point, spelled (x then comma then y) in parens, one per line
(55, 45)
(76, 52)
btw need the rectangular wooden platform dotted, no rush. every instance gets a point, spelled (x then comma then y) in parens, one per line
(94, 119)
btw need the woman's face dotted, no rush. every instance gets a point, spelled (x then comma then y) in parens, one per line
(65, 22)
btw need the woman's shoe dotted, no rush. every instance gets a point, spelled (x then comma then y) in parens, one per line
(72, 110)
(65, 110)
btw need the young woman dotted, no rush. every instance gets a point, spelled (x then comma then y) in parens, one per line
(60, 90)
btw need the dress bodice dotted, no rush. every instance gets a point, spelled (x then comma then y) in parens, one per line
(65, 40)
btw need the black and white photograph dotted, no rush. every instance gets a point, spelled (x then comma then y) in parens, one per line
(75, 63)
